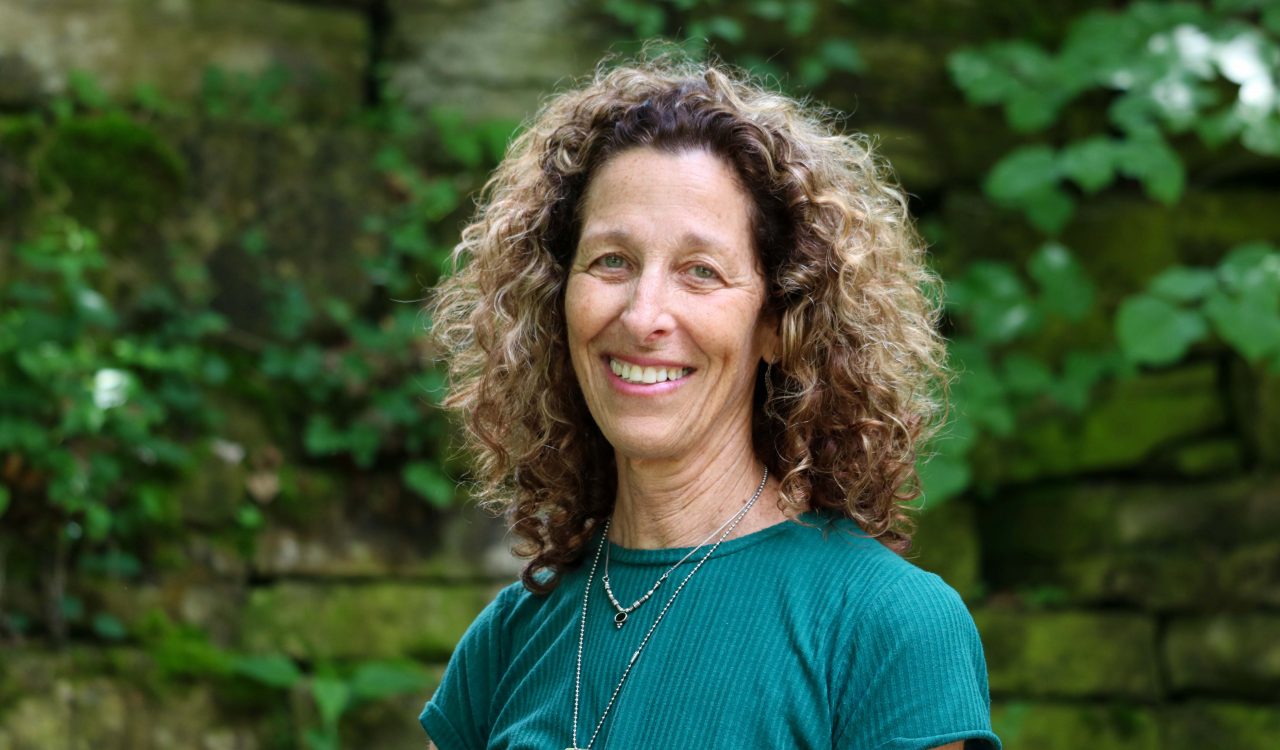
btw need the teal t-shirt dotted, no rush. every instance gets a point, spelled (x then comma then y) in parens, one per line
(788, 637)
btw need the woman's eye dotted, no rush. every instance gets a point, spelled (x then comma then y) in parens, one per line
(612, 261)
(703, 272)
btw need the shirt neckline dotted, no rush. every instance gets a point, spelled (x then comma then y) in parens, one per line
(671, 555)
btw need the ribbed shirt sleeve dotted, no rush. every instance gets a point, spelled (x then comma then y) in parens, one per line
(458, 716)
(923, 676)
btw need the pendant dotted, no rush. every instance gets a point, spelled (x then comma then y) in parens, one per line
(619, 619)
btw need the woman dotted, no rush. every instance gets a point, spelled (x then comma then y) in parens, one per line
(691, 344)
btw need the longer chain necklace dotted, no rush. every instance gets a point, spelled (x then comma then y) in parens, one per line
(586, 597)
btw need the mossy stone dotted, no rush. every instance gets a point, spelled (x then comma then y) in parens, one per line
(1239, 726)
(1070, 654)
(1023, 725)
(946, 543)
(1129, 421)
(1234, 655)
(1157, 545)
(374, 621)
(1255, 402)
(1210, 457)
(118, 172)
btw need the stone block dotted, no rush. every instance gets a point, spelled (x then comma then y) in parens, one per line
(1156, 545)
(214, 608)
(946, 543)
(1025, 725)
(1255, 395)
(168, 45)
(1228, 654)
(465, 545)
(1130, 421)
(379, 620)
(1240, 726)
(91, 698)
(392, 722)
(1076, 654)
(244, 178)
(491, 59)
(1209, 458)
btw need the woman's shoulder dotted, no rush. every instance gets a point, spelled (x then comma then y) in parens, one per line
(868, 577)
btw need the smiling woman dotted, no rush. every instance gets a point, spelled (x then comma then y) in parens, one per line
(690, 338)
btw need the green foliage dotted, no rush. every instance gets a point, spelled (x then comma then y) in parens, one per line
(996, 312)
(99, 410)
(1170, 69)
(789, 41)
(1239, 300)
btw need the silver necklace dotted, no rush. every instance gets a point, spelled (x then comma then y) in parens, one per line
(586, 597)
(620, 618)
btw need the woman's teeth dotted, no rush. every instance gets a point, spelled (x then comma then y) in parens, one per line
(637, 374)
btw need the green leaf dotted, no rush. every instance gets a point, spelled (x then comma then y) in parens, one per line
(980, 78)
(1065, 289)
(1182, 284)
(1250, 264)
(87, 90)
(1151, 161)
(1026, 375)
(1216, 130)
(1049, 211)
(770, 10)
(979, 395)
(1262, 136)
(456, 136)
(4, 499)
(1152, 331)
(1250, 323)
(332, 697)
(377, 680)
(1080, 372)
(1028, 170)
(1030, 110)
(428, 481)
(1089, 163)
(646, 19)
(109, 627)
(254, 241)
(810, 72)
(994, 300)
(842, 54)
(800, 17)
(72, 608)
(942, 476)
(726, 28)
(273, 670)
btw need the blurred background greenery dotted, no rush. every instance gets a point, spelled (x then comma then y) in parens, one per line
(229, 514)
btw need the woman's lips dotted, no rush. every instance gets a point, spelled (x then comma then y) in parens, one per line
(647, 376)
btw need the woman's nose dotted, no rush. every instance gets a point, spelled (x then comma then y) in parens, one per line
(648, 314)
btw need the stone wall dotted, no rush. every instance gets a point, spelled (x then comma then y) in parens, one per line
(1125, 576)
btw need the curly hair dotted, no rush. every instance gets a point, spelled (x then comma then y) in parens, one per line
(861, 377)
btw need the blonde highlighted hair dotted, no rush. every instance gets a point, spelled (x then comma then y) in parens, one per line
(860, 380)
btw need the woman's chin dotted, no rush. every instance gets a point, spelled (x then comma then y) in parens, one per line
(644, 445)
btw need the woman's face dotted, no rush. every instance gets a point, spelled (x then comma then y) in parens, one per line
(664, 305)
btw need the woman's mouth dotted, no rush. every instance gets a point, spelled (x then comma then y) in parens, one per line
(641, 375)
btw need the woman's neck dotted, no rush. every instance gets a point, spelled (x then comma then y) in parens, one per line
(671, 504)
